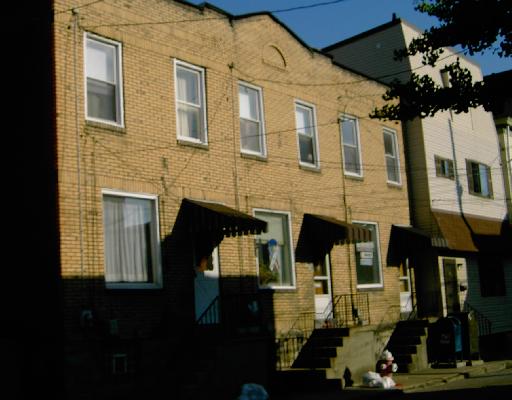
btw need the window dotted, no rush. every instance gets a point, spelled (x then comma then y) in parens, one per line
(274, 252)
(391, 154)
(479, 179)
(103, 80)
(190, 103)
(252, 138)
(131, 240)
(351, 146)
(491, 274)
(306, 134)
(368, 266)
(444, 168)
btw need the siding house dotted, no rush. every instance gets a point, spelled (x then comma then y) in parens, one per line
(218, 192)
(456, 187)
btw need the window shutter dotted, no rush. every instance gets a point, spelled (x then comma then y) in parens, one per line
(451, 173)
(439, 166)
(469, 170)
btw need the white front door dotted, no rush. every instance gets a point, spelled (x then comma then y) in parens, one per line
(322, 284)
(405, 288)
(206, 285)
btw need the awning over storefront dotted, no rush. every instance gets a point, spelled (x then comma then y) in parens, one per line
(470, 233)
(319, 233)
(405, 242)
(201, 216)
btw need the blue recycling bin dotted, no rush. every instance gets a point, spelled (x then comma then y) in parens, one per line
(447, 340)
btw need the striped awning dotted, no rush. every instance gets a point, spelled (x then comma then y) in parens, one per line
(204, 217)
(319, 233)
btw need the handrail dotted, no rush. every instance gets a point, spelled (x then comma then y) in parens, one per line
(484, 323)
(211, 315)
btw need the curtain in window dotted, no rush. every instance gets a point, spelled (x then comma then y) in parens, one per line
(249, 119)
(305, 129)
(127, 239)
(189, 103)
(350, 146)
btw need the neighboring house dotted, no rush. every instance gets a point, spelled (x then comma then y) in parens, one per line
(456, 187)
(500, 84)
(220, 186)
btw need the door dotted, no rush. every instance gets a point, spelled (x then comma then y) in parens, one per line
(322, 285)
(405, 288)
(206, 285)
(451, 286)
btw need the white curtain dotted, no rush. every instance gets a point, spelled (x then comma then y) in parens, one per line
(127, 222)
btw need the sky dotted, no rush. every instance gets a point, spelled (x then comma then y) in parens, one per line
(327, 23)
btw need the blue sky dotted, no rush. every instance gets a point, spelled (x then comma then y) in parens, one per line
(329, 23)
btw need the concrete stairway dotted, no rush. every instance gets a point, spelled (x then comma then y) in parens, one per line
(408, 345)
(312, 369)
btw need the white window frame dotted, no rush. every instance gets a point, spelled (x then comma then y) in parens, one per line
(316, 151)
(396, 157)
(292, 256)
(118, 80)
(358, 146)
(471, 183)
(262, 136)
(156, 250)
(376, 240)
(202, 106)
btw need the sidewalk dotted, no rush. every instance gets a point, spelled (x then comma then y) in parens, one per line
(407, 382)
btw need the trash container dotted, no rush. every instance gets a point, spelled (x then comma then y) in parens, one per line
(447, 341)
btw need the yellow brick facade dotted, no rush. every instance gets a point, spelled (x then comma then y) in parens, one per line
(145, 157)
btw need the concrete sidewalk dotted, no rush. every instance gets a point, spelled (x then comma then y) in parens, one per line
(407, 382)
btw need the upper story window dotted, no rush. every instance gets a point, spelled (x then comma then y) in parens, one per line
(190, 103)
(479, 179)
(306, 134)
(444, 167)
(368, 266)
(132, 252)
(351, 146)
(274, 251)
(391, 155)
(103, 80)
(252, 134)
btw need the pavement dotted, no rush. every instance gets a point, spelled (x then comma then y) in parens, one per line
(409, 382)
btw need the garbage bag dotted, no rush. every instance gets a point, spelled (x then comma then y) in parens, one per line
(253, 391)
(373, 379)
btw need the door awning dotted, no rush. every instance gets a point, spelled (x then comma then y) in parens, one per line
(471, 233)
(406, 241)
(319, 233)
(203, 217)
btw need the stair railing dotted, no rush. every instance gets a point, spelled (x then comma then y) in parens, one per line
(351, 309)
(211, 315)
(484, 324)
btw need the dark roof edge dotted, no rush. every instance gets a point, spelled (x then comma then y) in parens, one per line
(387, 25)
(321, 52)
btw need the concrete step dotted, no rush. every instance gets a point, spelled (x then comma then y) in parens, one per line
(312, 362)
(330, 332)
(304, 380)
(398, 348)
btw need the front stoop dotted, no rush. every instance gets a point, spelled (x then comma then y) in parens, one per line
(408, 345)
(312, 370)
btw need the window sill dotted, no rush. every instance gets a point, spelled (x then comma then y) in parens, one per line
(354, 177)
(132, 286)
(370, 288)
(394, 185)
(192, 143)
(281, 289)
(481, 196)
(105, 126)
(254, 156)
(309, 167)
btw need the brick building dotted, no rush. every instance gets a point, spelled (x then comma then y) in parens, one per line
(214, 170)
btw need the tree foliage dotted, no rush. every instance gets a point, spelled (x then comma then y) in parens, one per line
(473, 25)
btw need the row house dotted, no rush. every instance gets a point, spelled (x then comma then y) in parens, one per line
(221, 188)
(457, 191)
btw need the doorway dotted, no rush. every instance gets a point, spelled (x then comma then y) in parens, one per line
(405, 288)
(206, 285)
(322, 286)
(451, 285)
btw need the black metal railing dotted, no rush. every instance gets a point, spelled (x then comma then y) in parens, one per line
(350, 310)
(484, 324)
(210, 316)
